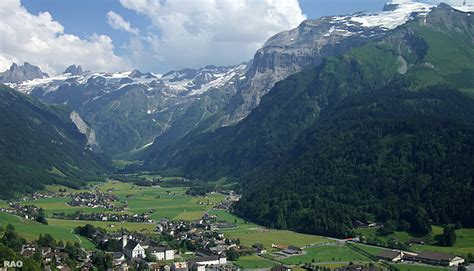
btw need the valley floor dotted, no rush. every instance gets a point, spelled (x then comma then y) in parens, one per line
(173, 203)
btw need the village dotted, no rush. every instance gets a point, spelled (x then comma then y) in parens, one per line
(200, 247)
(196, 245)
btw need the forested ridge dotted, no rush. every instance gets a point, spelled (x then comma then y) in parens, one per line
(40, 145)
(381, 155)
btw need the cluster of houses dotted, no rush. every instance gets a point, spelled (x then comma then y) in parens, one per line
(135, 248)
(111, 217)
(27, 211)
(427, 257)
(93, 200)
(56, 256)
(202, 231)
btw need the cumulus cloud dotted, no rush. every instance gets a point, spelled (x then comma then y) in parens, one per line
(201, 32)
(118, 22)
(40, 40)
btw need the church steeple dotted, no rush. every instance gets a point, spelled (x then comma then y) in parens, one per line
(124, 238)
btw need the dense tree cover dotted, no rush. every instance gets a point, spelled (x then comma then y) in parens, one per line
(12, 239)
(41, 218)
(448, 238)
(40, 145)
(390, 155)
(46, 241)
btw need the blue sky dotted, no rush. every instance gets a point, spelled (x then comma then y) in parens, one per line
(151, 35)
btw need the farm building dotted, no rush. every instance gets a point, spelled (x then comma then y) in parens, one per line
(292, 250)
(390, 255)
(437, 258)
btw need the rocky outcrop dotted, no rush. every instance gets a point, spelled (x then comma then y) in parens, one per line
(74, 70)
(92, 143)
(18, 74)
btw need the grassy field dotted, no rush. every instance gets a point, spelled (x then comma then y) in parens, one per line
(332, 253)
(463, 246)
(254, 262)
(370, 249)
(30, 230)
(249, 233)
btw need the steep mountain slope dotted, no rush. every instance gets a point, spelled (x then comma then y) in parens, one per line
(289, 119)
(290, 52)
(417, 51)
(128, 110)
(382, 155)
(40, 145)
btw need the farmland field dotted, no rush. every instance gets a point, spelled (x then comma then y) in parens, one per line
(249, 233)
(254, 262)
(330, 253)
(463, 246)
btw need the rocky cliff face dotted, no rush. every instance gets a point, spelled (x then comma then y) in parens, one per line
(92, 143)
(18, 74)
(291, 51)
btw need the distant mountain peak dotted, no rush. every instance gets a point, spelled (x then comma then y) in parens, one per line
(74, 70)
(18, 74)
(138, 74)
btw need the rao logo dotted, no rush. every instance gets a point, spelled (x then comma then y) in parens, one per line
(12, 263)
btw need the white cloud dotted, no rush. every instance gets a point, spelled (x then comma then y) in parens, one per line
(200, 32)
(117, 22)
(40, 40)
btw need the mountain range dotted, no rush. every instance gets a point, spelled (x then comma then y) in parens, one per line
(344, 118)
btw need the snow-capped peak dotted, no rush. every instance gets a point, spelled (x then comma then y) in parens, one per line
(396, 13)
(187, 82)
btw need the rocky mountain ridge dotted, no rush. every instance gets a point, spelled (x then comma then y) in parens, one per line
(21, 73)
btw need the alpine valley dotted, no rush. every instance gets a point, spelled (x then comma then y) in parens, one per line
(341, 122)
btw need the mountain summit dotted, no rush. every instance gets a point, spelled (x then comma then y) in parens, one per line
(18, 74)
(74, 70)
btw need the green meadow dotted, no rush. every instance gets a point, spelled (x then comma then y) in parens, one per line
(254, 262)
(249, 233)
(463, 246)
(30, 230)
(330, 253)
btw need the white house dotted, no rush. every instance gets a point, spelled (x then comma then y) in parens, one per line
(162, 253)
(132, 249)
(210, 260)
